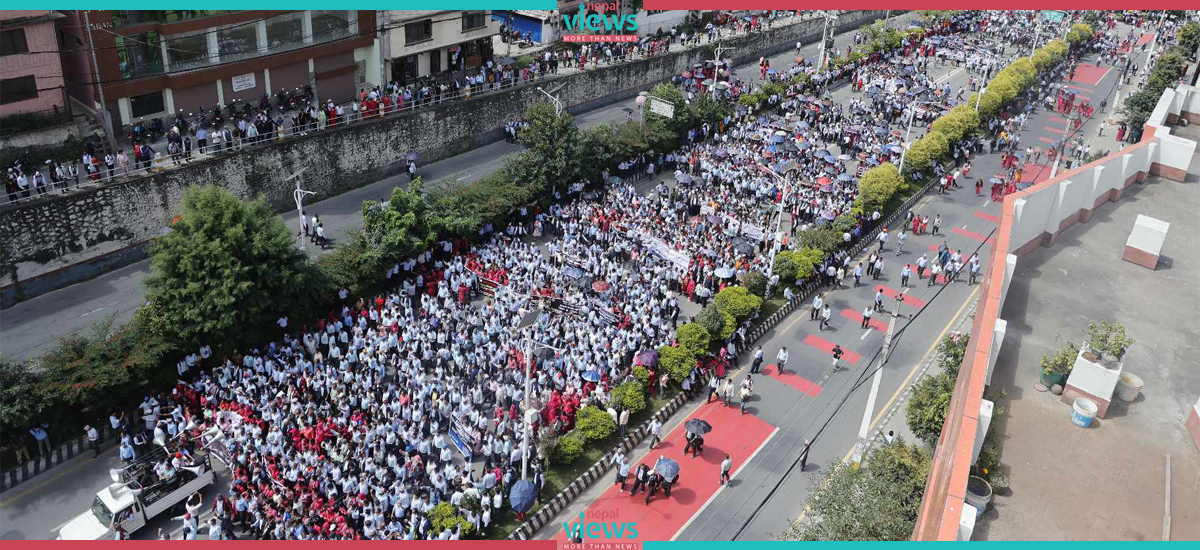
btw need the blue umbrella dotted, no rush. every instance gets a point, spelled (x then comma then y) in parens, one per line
(880, 130)
(845, 177)
(803, 145)
(872, 161)
(779, 139)
(522, 495)
(772, 149)
(573, 272)
(591, 376)
(668, 468)
(771, 71)
(801, 125)
(821, 153)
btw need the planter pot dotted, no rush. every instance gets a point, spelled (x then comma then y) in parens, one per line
(979, 493)
(1049, 380)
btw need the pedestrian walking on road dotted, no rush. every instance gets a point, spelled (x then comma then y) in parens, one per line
(879, 300)
(758, 360)
(624, 421)
(900, 242)
(623, 473)
(826, 313)
(804, 454)
(656, 426)
(782, 358)
(93, 439)
(837, 355)
(878, 268)
(883, 239)
(816, 309)
(640, 477)
(922, 262)
(933, 273)
(937, 224)
(904, 275)
(726, 466)
(866, 315)
(858, 273)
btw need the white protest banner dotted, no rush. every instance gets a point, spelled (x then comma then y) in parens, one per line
(243, 82)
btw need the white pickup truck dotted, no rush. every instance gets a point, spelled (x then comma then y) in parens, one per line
(137, 494)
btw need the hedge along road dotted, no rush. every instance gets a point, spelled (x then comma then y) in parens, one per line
(30, 328)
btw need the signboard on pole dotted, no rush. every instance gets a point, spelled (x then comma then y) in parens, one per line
(1053, 16)
(662, 108)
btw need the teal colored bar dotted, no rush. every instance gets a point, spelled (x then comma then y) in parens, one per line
(308, 4)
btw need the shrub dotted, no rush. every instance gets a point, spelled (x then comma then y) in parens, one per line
(445, 516)
(630, 395)
(756, 283)
(20, 402)
(710, 318)
(807, 260)
(642, 374)
(879, 184)
(951, 351)
(785, 265)
(547, 443)
(737, 302)
(694, 337)
(594, 423)
(730, 325)
(1108, 338)
(678, 362)
(845, 223)
(570, 447)
(825, 240)
(1061, 362)
(927, 407)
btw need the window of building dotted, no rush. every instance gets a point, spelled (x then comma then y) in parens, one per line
(418, 32)
(13, 42)
(472, 20)
(285, 30)
(237, 42)
(186, 52)
(13, 90)
(146, 104)
(137, 17)
(330, 24)
(139, 55)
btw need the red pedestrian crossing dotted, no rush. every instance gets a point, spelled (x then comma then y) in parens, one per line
(892, 293)
(827, 347)
(812, 389)
(988, 217)
(857, 317)
(971, 234)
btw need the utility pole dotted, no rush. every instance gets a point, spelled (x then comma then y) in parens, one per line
(1158, 32)
(105, 119)
(825, 38)
(299, 195)
(1037, 32)
(716, 63)
(860, 448)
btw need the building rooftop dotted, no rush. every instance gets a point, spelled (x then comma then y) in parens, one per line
(1108, 481)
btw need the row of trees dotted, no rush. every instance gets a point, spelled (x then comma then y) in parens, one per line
(1168, 69)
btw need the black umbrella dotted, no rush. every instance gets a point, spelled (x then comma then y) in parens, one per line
(697, 426)
(522, 495)
(543, 354)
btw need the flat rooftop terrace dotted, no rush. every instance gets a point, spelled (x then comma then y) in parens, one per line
(1108, 481)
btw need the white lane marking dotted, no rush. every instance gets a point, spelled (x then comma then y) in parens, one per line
(865, 333)
(735, 474)
(93, 311)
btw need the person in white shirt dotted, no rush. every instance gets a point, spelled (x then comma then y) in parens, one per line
(782, 358)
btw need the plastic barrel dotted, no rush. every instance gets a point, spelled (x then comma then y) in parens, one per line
(1128, 386)
(979, 493)
(1083, 411)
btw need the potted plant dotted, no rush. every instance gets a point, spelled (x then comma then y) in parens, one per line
(1056, 368)
(1107, 341)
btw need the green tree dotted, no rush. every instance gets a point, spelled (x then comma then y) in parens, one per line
(694, 337)
(928, 405)
(755, 282)
(629, 395)
(738, 302)
(570, 447)
(227, 270)
(711, 319)
(400, 228)
(879, 501)
(678, 362)
(594, 423)
(1189, 38)
(878, 186)
(555, 142)
(683, 116)
(20, 400)
(825, 240)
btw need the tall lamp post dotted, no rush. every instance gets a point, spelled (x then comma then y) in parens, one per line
(776, 238)
(298, 194)
(908, 130)
(558, 108)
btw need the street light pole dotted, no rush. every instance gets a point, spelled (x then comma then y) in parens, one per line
(776, 237)
(908, 130)
(557, 104)
(299, 195)
(525, 415)
(716, 61)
